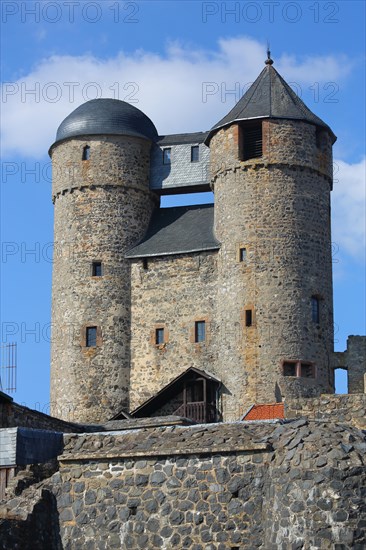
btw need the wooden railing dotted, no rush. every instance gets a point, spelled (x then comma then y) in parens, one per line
(199, 411)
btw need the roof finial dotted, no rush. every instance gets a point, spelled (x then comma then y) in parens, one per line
(268, 61)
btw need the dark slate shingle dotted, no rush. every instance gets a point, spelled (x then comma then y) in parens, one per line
(178, 230)
(269, 97)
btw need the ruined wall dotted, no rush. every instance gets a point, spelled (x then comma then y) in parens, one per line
(171, 293)
(353, 359)
(229, 486)
(278, 208)
(102, 207)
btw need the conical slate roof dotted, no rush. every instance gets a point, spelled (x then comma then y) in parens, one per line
(269, 97)
(108, 117)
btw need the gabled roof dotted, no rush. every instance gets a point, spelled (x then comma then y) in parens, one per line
(269, 97)
(269, 411)
(170, 390)
(178, 230)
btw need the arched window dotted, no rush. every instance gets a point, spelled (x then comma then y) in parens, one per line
(86, 152)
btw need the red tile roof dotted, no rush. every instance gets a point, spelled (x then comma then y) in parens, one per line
(265, 412)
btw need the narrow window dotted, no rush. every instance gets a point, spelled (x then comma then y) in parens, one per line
(167, 155)
(159, 336)
(200, 331)
(307, 370)
(289, 368)
(195, 153)
(248, 317)
(96, 269)
(315, 309)
(251, 141)
(86, 152)
(145, 263)
(242, 254)
(91, 337)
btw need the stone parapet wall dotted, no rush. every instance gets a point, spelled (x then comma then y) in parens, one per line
(342, 408)
(230, 486)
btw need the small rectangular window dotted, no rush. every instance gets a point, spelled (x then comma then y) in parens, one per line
(167, 155)
(315, 309)
(91, 337)
(248, 317)
(289, 368)
(242, 254)
(145, 263)
(97, 269)
(195, 153)
(307, 370)
(200, 331)
(159, 336)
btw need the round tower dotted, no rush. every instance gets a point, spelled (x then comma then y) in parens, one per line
(271, 169)
(101, 161)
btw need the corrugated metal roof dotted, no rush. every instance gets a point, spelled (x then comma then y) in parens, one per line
(265, 412)
(108, 117)
(178, 230)
(269, 97)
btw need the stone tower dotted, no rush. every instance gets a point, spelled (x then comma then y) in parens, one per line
(271, 172)
(101, 161)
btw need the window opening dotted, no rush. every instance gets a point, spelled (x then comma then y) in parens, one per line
(167, 155)
(248, 317)
(91, 337)
(200, 331)
(251, 141)
(242, 254)
(159, 336)
(86, 152)
(315, 309)
(97, 269)
(195, 153)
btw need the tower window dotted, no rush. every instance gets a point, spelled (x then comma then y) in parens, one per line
(97, 269)
(289, 368)
(248, 317)
(91, 337)
(86, 152)
(159, 336)
(145, 264)
(298, 369)
(167, 155)
(195, 153)
(250, 141)
(242, 254)
(315, 309)
(200, 331)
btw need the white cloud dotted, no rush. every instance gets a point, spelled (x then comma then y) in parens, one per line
(170, 89)
(349, 208)
(186, 89)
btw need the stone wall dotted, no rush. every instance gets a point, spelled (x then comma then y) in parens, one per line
(277, 207)
(102, 208)
(353, 359)
(296, 485)
(342, 408)
(172, 293)
(15, 415)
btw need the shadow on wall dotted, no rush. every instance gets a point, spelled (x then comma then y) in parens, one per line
(39, 530)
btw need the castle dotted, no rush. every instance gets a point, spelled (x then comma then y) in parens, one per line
(163, 318)
(200, 311)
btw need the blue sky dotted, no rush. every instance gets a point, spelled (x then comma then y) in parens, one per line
(184, 64)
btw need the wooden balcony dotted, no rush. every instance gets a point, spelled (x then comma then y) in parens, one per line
(199, 411)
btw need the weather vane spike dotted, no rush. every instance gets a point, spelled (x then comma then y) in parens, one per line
(268, 61)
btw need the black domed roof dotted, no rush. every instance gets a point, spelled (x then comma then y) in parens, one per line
(107, 116)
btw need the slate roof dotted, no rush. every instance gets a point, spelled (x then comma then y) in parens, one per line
(265, 412)
(106, 116)
(180, 139)
(269, 97)
(178, 230)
